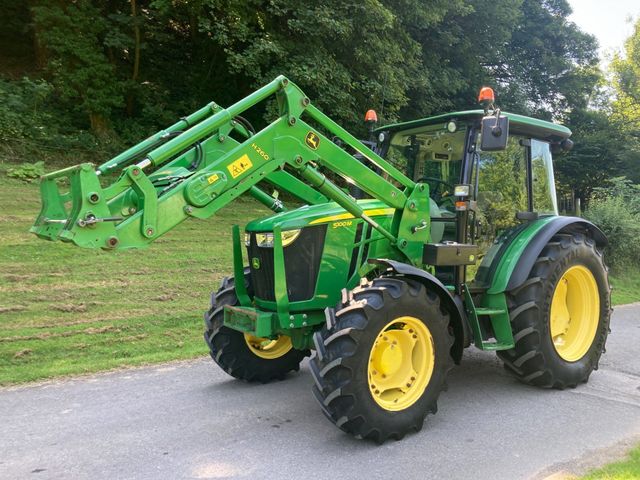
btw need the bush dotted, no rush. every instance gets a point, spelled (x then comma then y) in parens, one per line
(23, 111)
(620, 187)
(35, 126)
(617, 216)
(27, 171)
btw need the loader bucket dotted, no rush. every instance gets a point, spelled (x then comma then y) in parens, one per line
(80, 214)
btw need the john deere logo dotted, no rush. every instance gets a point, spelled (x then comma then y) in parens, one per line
(312, 140)
(255, 263)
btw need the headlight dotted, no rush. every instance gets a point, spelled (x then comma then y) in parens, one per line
(247, 239)
(265, 240)
(288, 236)
(462, 190)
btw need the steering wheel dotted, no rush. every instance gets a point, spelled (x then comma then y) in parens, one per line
(437, 193)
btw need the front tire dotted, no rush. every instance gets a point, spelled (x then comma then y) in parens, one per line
(241, 355)
(382, 359)
(560, 315)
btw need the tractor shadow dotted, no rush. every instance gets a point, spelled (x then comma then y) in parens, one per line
(288, 409)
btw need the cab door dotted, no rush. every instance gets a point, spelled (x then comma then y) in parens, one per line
(501, 193)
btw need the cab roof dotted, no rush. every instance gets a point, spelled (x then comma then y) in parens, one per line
(518, 124)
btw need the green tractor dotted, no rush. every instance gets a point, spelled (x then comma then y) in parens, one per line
(445, 233)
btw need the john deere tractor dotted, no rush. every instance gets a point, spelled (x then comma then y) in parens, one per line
(430, 236)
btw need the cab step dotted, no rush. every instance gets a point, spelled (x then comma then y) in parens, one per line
(494, 307)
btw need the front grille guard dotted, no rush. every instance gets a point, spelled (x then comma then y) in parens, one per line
(279, 274)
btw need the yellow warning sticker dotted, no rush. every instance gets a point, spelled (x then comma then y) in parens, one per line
(239, 166)
(213, 178)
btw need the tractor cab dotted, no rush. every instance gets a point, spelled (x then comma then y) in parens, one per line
(501, 187)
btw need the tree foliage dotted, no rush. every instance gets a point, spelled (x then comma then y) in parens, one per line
(551, 66)
(602, 151)
(626, 72)
(616, 210)
(147, 60)
(122, 69)
(606, 132)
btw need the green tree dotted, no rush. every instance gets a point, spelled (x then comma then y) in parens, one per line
(601, 152)
(132, 66)
(78, 38)
(606, 132)
(539, 62)
(626, 74)
(458, 54)
(550, 65)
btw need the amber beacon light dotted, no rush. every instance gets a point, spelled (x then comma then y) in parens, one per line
(486, 95)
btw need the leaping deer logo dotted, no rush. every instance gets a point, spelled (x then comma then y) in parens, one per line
(312, 140)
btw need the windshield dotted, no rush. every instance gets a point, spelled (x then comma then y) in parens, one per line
(431, 155)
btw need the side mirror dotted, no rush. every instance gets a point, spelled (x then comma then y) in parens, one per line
(494, 134)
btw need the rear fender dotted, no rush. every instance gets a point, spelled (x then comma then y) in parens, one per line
(511, 266)
(454, 306)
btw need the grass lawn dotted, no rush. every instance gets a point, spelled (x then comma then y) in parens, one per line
(627, 469)
(626, 288)
(66, 310)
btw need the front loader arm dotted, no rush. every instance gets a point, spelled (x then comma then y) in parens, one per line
(199, 165)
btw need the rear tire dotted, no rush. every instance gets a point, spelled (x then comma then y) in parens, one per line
(242, 356)
(382, 359)
(560, 315)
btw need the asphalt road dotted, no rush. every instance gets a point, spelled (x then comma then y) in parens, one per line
(190, 420)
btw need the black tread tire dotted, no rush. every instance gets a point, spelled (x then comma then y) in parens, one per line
(229, 349)
(342, 348)
(534, 359)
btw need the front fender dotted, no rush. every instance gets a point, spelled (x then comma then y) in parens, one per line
(514, 256)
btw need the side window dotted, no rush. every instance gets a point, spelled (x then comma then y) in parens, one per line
(502, 188)
(501, 178)
(544, 190)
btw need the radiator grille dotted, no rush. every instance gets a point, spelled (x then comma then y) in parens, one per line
(301, 263)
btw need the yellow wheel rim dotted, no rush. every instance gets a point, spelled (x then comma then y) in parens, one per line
(575, 313)
(267, 348)
(401, 363)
